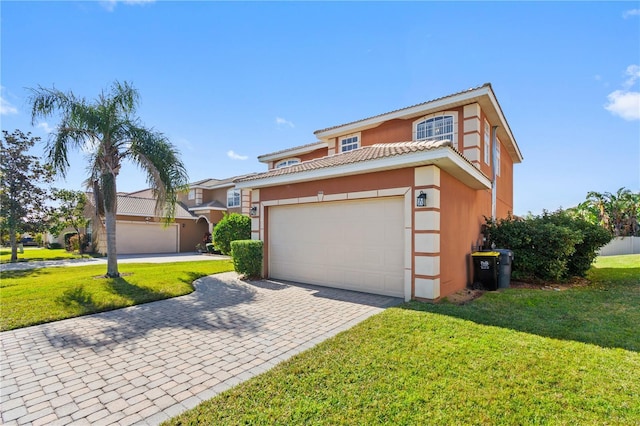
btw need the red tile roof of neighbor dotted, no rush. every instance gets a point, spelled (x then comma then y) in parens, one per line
(366, 153)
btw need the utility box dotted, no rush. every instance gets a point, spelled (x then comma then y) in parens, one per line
(485, 269)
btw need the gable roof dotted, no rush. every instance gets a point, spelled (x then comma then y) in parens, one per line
(373, 158)
(290, 152)
(141, 206)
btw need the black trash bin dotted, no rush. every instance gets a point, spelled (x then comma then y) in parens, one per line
(485, 269)
(504, 268)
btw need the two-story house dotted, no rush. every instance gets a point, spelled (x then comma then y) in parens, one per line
(391, 204)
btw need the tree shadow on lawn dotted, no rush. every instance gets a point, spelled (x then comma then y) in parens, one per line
(204, 309)
(603, 314)
(21, 273)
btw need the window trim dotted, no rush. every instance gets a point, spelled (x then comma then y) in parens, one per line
(287, 162)
(454, 132)
(487, 142)
(192, 194)
(233, 197)
(357, 142)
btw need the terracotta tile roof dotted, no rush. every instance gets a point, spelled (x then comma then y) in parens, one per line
(363, 154)
(139, 206)
(136, 206)
(295, 148)
(215, 204)
(405, 108)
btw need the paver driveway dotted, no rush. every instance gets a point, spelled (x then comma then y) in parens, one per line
(147, 363)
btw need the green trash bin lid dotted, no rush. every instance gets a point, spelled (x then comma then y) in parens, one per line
(486, 253)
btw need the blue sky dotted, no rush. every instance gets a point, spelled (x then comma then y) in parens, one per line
(229, 81)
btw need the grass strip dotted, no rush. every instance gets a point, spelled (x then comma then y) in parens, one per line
(39, 254)
(43, 295)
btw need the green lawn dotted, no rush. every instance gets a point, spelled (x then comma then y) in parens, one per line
(32, 254)
(43, 295)
(510, 357)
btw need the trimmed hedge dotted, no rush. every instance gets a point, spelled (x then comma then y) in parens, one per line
(232, 227)
(247, 257)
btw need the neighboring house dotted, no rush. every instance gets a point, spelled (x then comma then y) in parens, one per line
(140, 229)
(350, 211)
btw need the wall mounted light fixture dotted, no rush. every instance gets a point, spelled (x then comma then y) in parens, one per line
(254, 210)
(421, 200)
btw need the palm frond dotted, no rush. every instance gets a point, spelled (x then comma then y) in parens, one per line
(166, 174)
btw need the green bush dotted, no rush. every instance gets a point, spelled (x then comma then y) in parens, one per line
(541, 249)
(54, 246)
(247, 257)
(232, 227)
(594, 237)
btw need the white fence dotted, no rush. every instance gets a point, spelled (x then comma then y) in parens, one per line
(621, 245)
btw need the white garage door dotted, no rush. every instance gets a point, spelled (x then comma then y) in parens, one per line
(356, 245)
(146, 238)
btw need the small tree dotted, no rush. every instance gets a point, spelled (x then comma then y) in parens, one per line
(70, 213)
(22, 199)
(232, 227)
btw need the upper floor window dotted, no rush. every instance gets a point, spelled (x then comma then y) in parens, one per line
(349, 143)
(497, 157)
(487, 142)
(438, 128)
(192, 194)
(287, 162)
(233, 198)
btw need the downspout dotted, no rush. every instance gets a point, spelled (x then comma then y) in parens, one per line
(494, 172)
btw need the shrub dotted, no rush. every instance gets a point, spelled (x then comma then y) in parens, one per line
(211, 248)
(54, 246)
(232, 227)
(594, 237)
(74, 243)
(247, 257)
(541, 249)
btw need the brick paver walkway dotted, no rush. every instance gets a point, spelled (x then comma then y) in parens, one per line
(147, 363)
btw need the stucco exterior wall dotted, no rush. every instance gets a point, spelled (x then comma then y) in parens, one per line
(462, 212)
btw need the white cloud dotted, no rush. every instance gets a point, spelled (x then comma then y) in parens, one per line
(625, 103)
(110, 5)
(633, 71)
(281, 121)
(5, 106)
(45, 126)
(630, 12)
(235, 156)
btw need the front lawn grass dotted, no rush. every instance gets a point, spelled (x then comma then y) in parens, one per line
(43, 295)
(509, 357)
(33, 254)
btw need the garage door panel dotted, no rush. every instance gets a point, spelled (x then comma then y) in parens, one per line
(356, 245)
(134, 238)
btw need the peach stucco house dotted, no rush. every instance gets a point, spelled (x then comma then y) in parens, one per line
(349, 210)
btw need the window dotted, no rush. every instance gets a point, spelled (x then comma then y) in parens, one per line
(287, 163)
(487, 142)
(497, 157)
(233, 198)
(349, 143)
(437, 128)
(192, 194)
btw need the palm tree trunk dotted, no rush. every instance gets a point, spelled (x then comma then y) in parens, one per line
(110, 207)
(112, 255)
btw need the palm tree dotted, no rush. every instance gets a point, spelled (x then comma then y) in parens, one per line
(108, 128)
